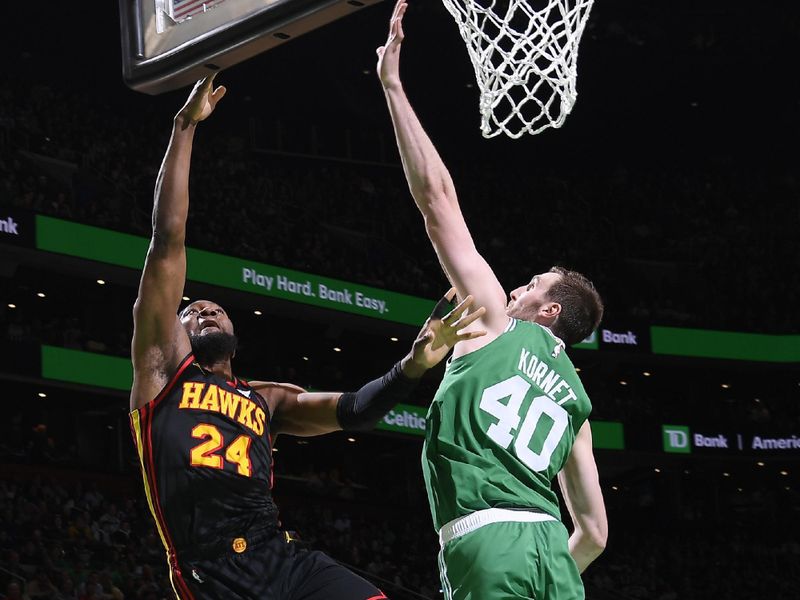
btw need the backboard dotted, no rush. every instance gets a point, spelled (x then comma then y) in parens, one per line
(168, 44)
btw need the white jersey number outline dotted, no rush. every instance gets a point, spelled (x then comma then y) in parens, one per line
(508, 417)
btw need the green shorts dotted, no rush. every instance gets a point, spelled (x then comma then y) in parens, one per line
(505, 560)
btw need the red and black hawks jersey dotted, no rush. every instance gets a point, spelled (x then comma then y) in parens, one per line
(206, 458)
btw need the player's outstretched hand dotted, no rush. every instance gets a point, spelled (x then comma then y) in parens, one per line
(201, 102)
(442, 331)
(389, 54)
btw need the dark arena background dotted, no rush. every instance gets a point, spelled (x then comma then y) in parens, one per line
(674, 184)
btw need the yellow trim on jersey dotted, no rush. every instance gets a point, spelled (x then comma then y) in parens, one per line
(172, 583)
(137, 428)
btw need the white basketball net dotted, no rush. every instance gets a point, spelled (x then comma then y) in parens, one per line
(525, 60)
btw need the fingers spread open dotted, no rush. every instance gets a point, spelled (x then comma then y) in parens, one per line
(470, 335)
(470, 318)
(458, 310)
(441, 309)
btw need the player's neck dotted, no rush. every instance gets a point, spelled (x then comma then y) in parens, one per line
(221, 368)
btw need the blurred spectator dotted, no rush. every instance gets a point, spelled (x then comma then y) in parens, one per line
(41, 588)
(14, 592)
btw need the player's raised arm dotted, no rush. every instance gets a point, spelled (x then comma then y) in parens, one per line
(580, 485)
(159, 341)
(302, 413)
(434, 192)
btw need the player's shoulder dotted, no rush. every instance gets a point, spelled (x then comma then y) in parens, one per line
(539, 334)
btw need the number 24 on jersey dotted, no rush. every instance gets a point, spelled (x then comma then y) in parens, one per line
(205, 454)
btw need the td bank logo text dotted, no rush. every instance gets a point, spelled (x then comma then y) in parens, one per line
(676, 439)
(625, 339)
(9, 225)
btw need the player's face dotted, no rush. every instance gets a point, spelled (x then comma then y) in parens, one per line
(530, 302)
(204, 317)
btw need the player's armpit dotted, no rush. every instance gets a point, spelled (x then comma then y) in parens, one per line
(580, 485)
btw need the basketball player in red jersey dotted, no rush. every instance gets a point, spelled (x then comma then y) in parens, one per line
(204, 437)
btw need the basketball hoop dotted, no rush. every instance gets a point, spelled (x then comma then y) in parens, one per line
(525, 60)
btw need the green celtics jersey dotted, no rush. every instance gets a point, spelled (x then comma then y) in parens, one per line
(502, 425)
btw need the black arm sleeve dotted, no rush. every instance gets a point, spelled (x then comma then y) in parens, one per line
(363, 409)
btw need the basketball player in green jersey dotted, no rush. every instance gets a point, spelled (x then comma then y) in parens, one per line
(511, 413)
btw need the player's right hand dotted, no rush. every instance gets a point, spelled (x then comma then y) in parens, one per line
(389, 54)
(441, 332)
(201, 102)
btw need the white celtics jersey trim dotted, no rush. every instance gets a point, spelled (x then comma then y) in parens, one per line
(560, 345)
(557, 349)
(511, 325)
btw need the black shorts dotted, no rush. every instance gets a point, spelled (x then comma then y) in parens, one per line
(272, 568)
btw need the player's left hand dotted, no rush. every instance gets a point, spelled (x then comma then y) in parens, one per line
(441, 332)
